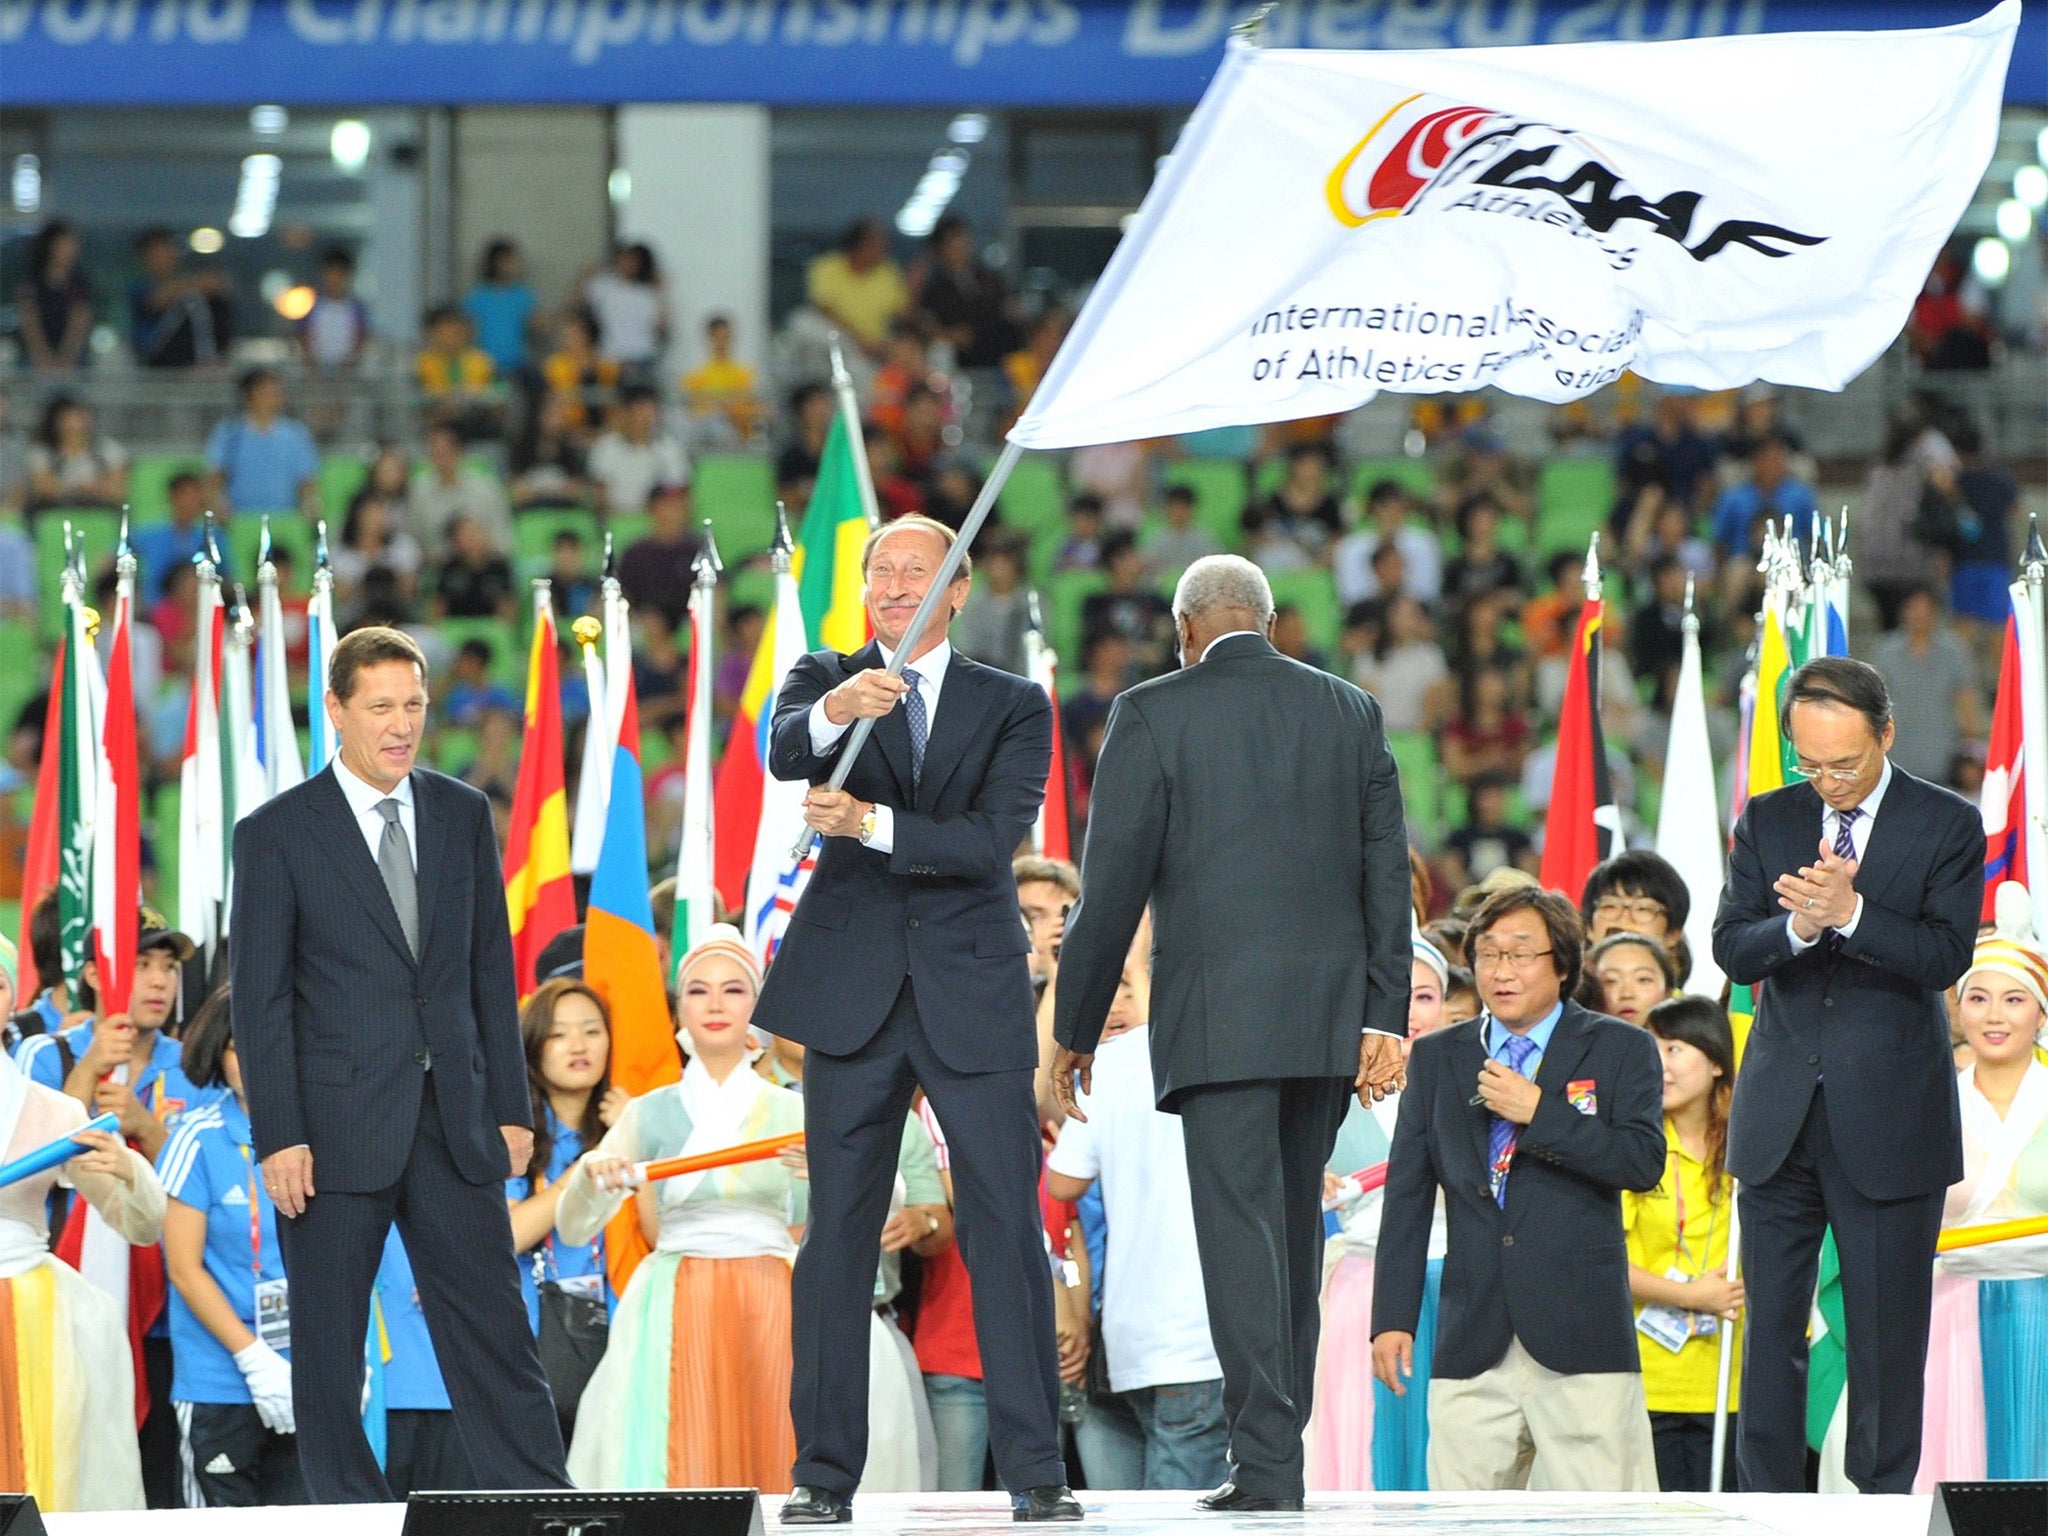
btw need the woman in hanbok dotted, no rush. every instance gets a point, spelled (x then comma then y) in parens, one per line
(1986, 1405)
(693, 1390)
(67, 1377)
(1362, 1436)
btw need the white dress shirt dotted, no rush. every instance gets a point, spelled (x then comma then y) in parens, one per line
(1859, 839)
(931, 677)
(364, 798)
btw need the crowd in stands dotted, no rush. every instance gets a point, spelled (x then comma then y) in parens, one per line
(1447, 582)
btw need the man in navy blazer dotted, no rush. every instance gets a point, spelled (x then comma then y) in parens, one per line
(377, 1030)
(906, 964)
(1531, 1119)
(1851, 906)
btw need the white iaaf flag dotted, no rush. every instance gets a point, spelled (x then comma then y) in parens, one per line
(1538, 219)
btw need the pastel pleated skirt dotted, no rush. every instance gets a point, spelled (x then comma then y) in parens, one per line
(67, 1393)
(1362, 1436)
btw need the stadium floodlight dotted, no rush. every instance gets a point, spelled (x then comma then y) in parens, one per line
(296, 302)
(269, 121)
(349, 145)
(28, 183)
(1991, 260)
(2015, 219)
(206, 240)
(933, 192)
(968, 128)
(619, 186)
(2030, 186)
(2041, 146)
(256, 197)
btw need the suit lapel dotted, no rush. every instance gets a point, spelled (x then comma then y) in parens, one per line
(963, 704)
(1468, 1057)
(1569, 1042)
(334, 823)
(429, 818)
(1893, 833)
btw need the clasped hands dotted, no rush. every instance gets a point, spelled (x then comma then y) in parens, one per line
(1820, 896)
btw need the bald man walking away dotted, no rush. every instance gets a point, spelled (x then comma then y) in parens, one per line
(1253, 803)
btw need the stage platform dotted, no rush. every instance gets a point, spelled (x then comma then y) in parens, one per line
(1173, 1514)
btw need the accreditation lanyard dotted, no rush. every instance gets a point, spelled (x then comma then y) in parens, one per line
(255, 1218)
(273, 1300)
(1697, 1266)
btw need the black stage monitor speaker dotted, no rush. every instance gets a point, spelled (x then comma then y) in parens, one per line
(19, 1515)
(1989, 1509)
(679, 1512)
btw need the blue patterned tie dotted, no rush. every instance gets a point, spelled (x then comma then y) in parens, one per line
(1501, 1134)
(1845, 845)
(920, 726)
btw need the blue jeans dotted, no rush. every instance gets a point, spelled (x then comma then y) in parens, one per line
(1187, 1442)
(1111, 1443)
(959, 1407)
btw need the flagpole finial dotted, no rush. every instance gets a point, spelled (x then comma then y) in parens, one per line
(585, 632)
(92, 622)
(782, 554)
(841, 379)
(1592, 572)
(1034, 615)
(208, 558)
(320, 561)
(2034, 563)
(1249, 30)
(263, 542)
(611, 565)
(710, 550)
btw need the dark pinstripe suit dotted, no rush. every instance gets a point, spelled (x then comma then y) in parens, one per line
(335, 1026)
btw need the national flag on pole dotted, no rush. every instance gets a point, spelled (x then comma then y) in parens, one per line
(1582, 826)
(696, 895)
(277, 737)
(2004, 802)
(203, 825)
(826, 563)
(40, 861)
(321, 637)
(1769, 752)
(117, 829)
(1688, 826)
(600, 740)
(539, 894)
(1539, 219)
(775, 881)
(1052, 835)
(78, 789)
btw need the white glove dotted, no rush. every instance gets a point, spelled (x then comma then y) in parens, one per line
(269, 1376)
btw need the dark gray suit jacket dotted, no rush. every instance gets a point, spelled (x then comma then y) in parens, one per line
(1866, 1012)
(1253, 802)
(333, 1015)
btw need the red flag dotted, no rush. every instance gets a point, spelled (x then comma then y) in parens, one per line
(1582, 827)
(1059, 825)
(39, 868)
(2004, 803)
(538, 894)
(117, 840)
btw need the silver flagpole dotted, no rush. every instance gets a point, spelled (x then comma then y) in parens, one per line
(934, 595)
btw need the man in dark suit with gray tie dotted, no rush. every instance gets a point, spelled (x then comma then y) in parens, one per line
(1253, 802)
(906, 965)
(377, 1030)
(1851, 906)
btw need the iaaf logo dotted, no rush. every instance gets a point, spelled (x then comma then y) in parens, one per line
(1444, 158)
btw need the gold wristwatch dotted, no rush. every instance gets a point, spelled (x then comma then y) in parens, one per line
(867, 827)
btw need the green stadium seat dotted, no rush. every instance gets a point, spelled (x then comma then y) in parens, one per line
(1220, 487)
(99, 528)
(1415, 759)
(1034, 499)
(24, 669)
(737, 493)
(149, 484)
(1573, 499)
(162, 828)
(1314, 594)
(454, 748)
(287, 531)
(1063, 594)
(1417, 474)
(752, 584)
(341, 476)
(1569, 526)
(533, 536)
(507, 643)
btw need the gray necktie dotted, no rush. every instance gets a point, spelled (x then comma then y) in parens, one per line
(394, 863)
(920, 730)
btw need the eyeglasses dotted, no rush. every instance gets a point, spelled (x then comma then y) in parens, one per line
(1487, 959)
(1642, 907)
(1843, 776)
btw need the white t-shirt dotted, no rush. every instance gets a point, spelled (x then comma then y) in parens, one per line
(631, 472)
(628, 317)
(1155, 1317)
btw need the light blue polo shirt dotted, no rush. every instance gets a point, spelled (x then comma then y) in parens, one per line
(210, 1165)
(263, 466)
(161, 1085)
(554, 1259)
(412, 1376)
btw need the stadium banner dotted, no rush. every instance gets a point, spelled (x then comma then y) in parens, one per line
(906, 53)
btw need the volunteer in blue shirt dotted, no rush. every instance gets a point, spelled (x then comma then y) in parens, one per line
(262, 459)
(568, 1036)
(230, 1306)
(85, 1059)
(422, 1451)
(51, 1006)
(501, 307)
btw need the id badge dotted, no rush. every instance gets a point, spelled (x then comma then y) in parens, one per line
(1669, 1326)
(274, 1313)
(589, 1287)
(1704, 1324)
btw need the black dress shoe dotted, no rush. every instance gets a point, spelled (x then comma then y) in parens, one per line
(1055, 1501)
(815, 1506)
(1233, 1500)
